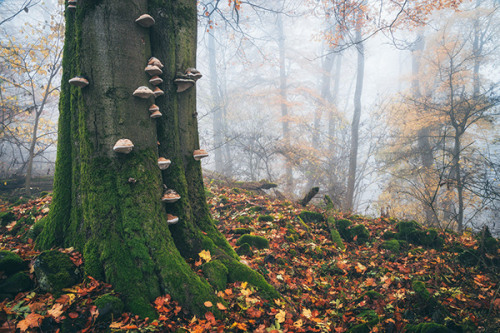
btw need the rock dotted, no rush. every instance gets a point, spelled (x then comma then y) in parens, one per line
(254, 241)
(55, 271)
(15, 284)
(216, 273)
(313, 217)
(244, 250)
(108, 305)
(11, 262)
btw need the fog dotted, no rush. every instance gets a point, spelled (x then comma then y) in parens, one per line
(277, 101)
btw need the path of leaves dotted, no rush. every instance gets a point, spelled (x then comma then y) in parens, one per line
(324, 288)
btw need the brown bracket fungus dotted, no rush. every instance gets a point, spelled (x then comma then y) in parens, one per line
(199, 154)
(153, 70)
(145, 20)
(171, 219)
(158, 92)
(123, 146)
(79, 81)
(156, 80)
(163, 163)
(71, 4)
(154, 108)
(155, 62)
(143, 92)
(170, 196)
(156, 114)
(193, 73)
(183, 84)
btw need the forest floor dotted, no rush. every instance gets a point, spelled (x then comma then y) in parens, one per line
(386, 280)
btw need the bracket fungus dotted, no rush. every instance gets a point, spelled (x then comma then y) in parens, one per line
(155, 114)
(156, 80)
(199, 154)
(123, 146)
(172, 219)
(170, 196)
(153, 70)
(145, 20)
(154, 108)
(143, 92)
(163, 163)
(71, 4)
(79, 81)
(193, 73)
(183, 84)
(157, 92)
(153, 61)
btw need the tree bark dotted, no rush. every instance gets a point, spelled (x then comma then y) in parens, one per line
(353, 154)
(121, 227)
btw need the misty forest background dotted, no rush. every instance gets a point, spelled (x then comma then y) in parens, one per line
(389, 110)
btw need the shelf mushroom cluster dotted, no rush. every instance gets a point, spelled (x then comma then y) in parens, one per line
(154, 68)
(72, 4)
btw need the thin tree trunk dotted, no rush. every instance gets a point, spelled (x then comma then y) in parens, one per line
(353, 154)
(284, 107)
(217, 123)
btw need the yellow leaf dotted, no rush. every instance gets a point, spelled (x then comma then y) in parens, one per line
(280, 316)
(208, 304)
(244, 285)
(306, 313)
(205, 255)
(220, 306)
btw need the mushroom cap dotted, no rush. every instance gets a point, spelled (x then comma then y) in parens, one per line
(145, 20)
(172, 219)
(72, 2)
(170, 196)
(155, 62)
(71, 6)
(156, 80)
(153, 70)
(157, 92)
(79, 81)
(163, 163)
(143, 92)
(193, 73)
(183, 84)
(154, 108)
(156, 114)
(199, 154)
(123, 146)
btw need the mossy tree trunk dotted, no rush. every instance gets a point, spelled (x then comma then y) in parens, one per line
(121, 226)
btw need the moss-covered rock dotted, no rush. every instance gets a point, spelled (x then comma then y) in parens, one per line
(405, 228)
(242, 231)
(427, 328)
(342, 226)
(244, 220)
(313, 217)
(266, 218)
(420, 290)
(371, 294)
(11, 262)
(55, 271)
(413, 233)
(391, 245)
(254, 241)
(6, 218)
(359, 233)
(16, 283)
(370, 317)
(255, 209)
(388, 235)
(108, 306)
(244, 250)
(216, 274)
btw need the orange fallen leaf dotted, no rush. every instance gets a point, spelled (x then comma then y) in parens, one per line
(208, 304)
(33, 320)
(220, 306)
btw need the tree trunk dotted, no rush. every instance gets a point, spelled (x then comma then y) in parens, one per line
(284, 107)
(353, 154)
(120, 226)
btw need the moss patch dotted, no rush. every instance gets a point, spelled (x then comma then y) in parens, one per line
(266, 218)
(313, 217)
(108, 306)
(55, 271)
(427, 328)
(11, 262)
(244, 220)
(254, 241)
(343, 228)
(244, 250)
(391, 245)
(359, 233)
(216, 274)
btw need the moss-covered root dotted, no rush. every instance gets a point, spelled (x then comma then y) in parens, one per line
(241, 272)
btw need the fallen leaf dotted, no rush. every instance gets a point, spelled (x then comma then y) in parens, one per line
(205, 255)
(32, 320)
(280, 316)
(220, 306)
(208, 304)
